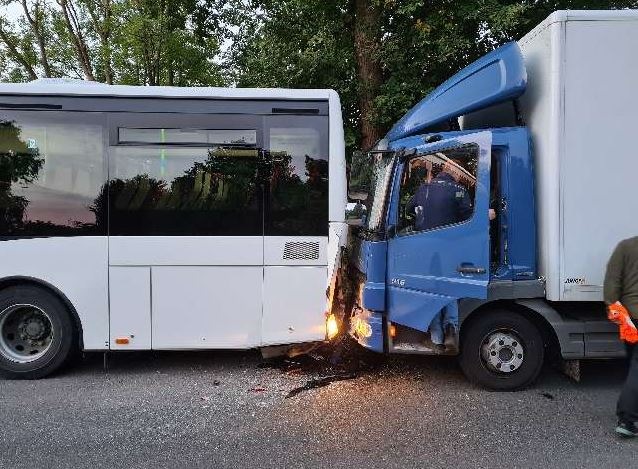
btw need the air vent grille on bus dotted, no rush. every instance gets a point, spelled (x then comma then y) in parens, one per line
(301, 250)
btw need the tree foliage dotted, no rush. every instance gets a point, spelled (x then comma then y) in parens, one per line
(138, 42)
(382, 56)
(417, 44)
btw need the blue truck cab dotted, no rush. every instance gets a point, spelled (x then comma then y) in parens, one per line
(445, 261)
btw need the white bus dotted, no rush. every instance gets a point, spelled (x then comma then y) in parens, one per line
(137, 218)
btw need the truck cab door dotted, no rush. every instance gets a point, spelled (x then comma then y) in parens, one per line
(439, 217)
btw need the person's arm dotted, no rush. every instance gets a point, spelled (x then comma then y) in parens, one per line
(612, 288)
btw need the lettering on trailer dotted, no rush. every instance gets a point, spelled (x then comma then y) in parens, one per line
(574, 281)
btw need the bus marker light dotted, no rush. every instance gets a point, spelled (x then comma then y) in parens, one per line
(122, 341)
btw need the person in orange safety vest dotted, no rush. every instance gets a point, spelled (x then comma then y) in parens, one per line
(621, 296)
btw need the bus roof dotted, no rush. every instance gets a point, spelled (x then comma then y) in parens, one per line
(73, 87)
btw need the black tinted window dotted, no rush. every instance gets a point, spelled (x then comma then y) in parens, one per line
(52, 171)
(298, 191)
(181, 190)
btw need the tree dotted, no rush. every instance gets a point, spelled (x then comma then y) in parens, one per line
(367, 47)
(76, 34)
(296, 44)
(382, 56)
(138, 42)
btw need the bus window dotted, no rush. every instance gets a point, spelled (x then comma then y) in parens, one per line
(188, 136)
(182, 190)
(52, 172)
(298, 192)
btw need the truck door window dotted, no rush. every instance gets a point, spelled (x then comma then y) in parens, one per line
(438, 189)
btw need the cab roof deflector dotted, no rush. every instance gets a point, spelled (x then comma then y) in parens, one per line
(494, 78)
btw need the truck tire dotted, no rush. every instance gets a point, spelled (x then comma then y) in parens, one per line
(501, 350)
(37, 334)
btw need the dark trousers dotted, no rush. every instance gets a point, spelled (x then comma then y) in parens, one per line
(627, 409)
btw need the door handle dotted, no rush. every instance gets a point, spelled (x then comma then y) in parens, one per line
(470, 269)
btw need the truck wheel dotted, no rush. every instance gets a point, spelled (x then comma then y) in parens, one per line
(37, 335)
(501, 350)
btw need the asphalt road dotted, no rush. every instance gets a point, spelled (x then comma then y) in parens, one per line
(217, 410)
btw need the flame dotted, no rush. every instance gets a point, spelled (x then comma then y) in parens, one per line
(332, 327)
(361, 328)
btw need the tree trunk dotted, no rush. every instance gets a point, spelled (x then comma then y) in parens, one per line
(35, 22)
(366, 45)
(108, 69)
(106, 39)
(101, 13)
(15, 53)
(73, 28)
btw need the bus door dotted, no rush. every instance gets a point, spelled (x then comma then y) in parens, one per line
(186, 209)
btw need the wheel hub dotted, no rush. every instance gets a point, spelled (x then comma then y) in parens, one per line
(26, 333)
(502, 352)
(33, 328)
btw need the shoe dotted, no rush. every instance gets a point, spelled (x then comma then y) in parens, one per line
(627, 429)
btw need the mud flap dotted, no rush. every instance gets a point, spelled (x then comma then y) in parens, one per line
(571, 369)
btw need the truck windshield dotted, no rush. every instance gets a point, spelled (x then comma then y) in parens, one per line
(370, 176)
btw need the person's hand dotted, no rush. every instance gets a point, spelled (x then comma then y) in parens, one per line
(492, 214)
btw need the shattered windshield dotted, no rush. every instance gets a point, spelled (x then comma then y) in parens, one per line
(370, 176)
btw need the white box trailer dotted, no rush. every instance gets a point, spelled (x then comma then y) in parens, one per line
(580, 107)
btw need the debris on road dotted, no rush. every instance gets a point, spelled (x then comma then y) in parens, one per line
(320, 382)
(341, 359)
(341, 355)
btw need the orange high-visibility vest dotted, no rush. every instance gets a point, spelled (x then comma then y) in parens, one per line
(618, 314)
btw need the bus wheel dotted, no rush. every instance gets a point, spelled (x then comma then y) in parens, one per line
(501, 350)
(37, 335)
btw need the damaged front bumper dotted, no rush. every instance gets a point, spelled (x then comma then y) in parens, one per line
(366, 327)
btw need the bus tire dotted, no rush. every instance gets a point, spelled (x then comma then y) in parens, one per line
(37, 334)
(501, 350)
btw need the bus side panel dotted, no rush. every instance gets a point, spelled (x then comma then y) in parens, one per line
(76, 267)
(295, 280)
(294, 304)
(203, 307)
(130, 306)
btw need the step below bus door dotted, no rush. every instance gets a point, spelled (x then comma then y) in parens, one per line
(439, 249)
